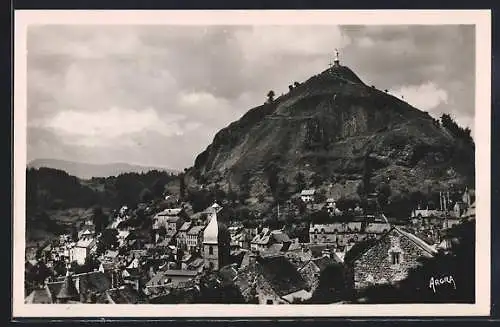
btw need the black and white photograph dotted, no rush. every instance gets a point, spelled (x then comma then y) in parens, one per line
(226, 163)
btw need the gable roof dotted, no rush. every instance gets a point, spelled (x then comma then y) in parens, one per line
(361, 248)
(170, 212)
(85, 243)
(185, 226)
(91, 281)
(68, 289)
(417, 241)
(195, 230)
(307, 192)
(325, 261)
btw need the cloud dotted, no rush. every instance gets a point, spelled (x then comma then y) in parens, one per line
(265, 42)
(425, 96)
(104, 128)
(140, 93)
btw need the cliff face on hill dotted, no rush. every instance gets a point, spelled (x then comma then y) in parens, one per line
(335, 130)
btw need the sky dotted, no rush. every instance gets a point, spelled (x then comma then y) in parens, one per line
(156, 95)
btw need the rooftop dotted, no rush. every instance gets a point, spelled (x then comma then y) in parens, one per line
(308, 192)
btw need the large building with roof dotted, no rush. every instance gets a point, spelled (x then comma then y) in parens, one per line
(386, 260)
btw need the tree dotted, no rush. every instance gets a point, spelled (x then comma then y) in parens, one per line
(300, 181)
(74, 233)
(332, 285)
(290, 88)
(108, 240)
(367, 172)
(99, 219)
(317, 179)
(182, 186)
(158, 187)
(383, 194)
(270, 96)
(146, 195)
(296, 84)
(272, 173)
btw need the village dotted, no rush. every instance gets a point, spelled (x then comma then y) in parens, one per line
(163, 252)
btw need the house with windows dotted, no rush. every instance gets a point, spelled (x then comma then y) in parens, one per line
(181, 238)
(345, 233)
(171, 220)
(268, 238)
(386, 260)
(194, 238)
(82, 250)
(307, 196)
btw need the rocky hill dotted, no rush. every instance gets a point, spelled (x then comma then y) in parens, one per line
(339, 134)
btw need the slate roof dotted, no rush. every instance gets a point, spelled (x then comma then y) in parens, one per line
(85, 243)
(185, 226)
(38, 296)
(307, 192)
(360, 248)
(180, 272)
(124, 295)
(195, 230)
(263, 237)
(280, 236)
(158, 279)
(170, 212)
(324, 261)
(68, 290)
(92, 281)
(281, 274)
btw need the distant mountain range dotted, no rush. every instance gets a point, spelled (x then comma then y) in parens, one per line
(88, 170)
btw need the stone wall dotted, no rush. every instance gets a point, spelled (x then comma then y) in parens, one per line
(376, 267)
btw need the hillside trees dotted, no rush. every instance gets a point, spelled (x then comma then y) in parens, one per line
(54, 189)
(99, 219)
(457, 131)
(300, 181)
(270, 96)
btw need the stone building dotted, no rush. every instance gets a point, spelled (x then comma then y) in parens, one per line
(386, 260)
(345, 233)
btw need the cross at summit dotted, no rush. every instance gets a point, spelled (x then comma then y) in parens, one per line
(336, 61)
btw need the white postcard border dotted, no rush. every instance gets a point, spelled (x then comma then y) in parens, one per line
(480, 18)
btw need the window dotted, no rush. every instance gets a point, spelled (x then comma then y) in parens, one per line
(210, 250)
(395, 258)
(269, 301)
